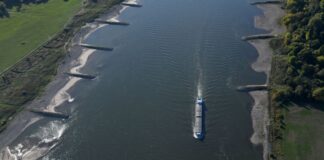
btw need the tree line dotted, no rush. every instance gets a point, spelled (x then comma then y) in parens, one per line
(303, 45)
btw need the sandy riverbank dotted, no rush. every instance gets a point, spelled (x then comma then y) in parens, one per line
(55, 94)
(269, 21)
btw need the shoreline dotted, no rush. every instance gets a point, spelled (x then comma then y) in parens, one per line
(27, 79)
(52, 96)
(268, 21)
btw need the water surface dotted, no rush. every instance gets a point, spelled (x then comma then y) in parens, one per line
(141, 105)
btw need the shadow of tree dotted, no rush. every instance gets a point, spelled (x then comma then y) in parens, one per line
(16, 4)
(3, 10)
(19, 3)
(307, 105)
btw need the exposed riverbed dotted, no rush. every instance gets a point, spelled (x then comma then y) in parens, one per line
(269, 21)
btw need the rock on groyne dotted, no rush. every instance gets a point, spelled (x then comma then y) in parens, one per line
(259, 36)
(50, 114)
(250, 88)
(131, 4)
(79, 75)
(96, 47)
(267, 2)
(112, 22)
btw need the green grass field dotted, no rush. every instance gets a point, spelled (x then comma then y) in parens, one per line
(304, 138)
(34, 24)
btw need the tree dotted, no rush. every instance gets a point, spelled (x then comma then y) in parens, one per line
(3, 10)
(281, 94)
(318, 94)
(316, 24)
(295, 5)
(320, 60)
(303, 48)
(322, 5)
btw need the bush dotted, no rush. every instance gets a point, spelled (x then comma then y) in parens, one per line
(322, 5)
(320, 74)
(318, 94)
(281, 94)
(295, 5)
(320, 60)
(3, 10)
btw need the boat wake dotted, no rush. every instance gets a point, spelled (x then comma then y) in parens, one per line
(199, 119)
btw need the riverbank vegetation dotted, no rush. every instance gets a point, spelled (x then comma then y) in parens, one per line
(303, 48)
(26, 79)
(297, 83)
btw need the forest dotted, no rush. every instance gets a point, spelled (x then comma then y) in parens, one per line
(303, 47)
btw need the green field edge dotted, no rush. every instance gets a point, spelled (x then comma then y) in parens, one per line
(27, 79)
(31, 27)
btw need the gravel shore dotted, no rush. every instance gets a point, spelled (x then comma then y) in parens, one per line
(269, 21)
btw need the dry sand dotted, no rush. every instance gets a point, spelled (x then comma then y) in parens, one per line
(269, 21)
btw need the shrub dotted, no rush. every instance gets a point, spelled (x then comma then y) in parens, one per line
(281, 94)
(318, 94)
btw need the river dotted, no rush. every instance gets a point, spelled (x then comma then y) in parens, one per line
(140, 107)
